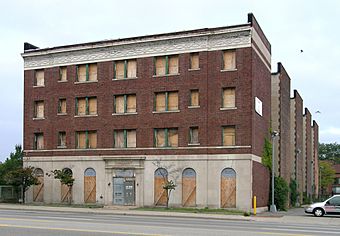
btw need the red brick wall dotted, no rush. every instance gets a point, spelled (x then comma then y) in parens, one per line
(315, 128)
(261, 183)
(209, 80)
(309, 155)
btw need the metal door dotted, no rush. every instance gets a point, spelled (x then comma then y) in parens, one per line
(118, 191)
(129, 194)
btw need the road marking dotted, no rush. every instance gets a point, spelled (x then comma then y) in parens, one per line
(78, 230)
(301, 230)
(285, 234)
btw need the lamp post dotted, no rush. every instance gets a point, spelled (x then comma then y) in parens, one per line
(274, 134)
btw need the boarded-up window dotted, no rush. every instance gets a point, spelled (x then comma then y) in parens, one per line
(173, 64)
(229, 136)
(131, 138)
(92, 73)
(81, 106)
(63, 73)
(39, 109)
(38, 190)
(90, 185)
(62, 139)
(194, 61)
(172, 101)
(228, 98)
(92, 106)
(39, 78)
(132, 69)
(125, 138)
(193, 135)
(92, 139)
(38, 141)
(160, 102)
(166, 137)
(228, 188)
(81, 139)
(189, 188)
(166, 101)
(62, 106)
(119, 69)
(86, 139)
(131, 103)
(173, 138)
(81, 73)
(119, 104)
(160, 194)
(160, 65)
(194, 98)
(229, 60)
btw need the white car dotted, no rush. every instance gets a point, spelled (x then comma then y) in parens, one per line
(330, 206)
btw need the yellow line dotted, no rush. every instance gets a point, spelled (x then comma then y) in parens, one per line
(78, 230)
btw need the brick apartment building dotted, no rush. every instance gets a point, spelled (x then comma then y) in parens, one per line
(191, 106)
(296, 149)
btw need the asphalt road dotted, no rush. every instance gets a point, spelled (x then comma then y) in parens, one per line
(42, 223)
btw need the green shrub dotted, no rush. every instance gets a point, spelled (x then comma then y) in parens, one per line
(281, 193)
(293, 192)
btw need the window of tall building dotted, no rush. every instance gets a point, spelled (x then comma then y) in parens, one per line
(86, 139)
(166, 65)
(194, 61)
(39, 109)
(86, 106)
(87, 73)
(193, 135)
(229, 60)
(166, 101)
(61, 139)
(167, 137)
(125, 69)
(228, 99)
(62, 106)
(124, 103)
(38, 141)
(194, 98)
(39, 78)
(228, 135)
(62, 74)
(125, 138)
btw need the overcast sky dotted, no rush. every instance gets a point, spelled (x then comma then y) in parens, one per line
(289, 25)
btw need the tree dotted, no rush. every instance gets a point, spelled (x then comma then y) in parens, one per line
(22, 177)
(281, 193)
(169, 185)
(330, 152)
(267, 154)
(65, 177)
(12, 163)
(327, 174)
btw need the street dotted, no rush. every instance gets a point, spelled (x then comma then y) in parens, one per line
(38, 223)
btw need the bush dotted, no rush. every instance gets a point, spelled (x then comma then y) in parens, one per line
(293, 192)
(281, 193)
(306, 199)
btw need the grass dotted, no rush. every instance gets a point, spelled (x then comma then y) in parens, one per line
(193, 210)
(67, 205)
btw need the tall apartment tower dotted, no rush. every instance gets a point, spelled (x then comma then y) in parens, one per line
(125, 115)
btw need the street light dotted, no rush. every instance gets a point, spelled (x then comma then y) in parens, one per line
(274, 134)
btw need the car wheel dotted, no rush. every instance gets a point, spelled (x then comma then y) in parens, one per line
(318, 212)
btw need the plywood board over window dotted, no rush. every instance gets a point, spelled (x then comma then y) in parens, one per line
(131, 138)
(92, 72)
(119, 138)
(194, 61)
(63, 73)
(62, 106)
(39, 109)
(194, 135)
(81, 139)
(92, 136)
(81, 73)
(81, 103)
(131, 103)
(119, 104)
(229, 136)
(173, 101)
(160, 102)
(229, 97)
(119, 69)
(160, 65)
(132, 69)
(228, 188)
(160, 138)
(39, 78)
(173, 137)
(173, 64)
(229, 60)
(62, 139)
(160, 194)
(194, 99)
(92, 103)
(39, 141)
(189, 188)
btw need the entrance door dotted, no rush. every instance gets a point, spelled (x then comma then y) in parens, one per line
(123, 191)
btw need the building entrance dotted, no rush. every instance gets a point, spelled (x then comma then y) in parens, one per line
(124, 190)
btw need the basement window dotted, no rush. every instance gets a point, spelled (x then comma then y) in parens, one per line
(167, 137)
(125, 138)
(86, 139)
(125, 69)
(86, 106)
